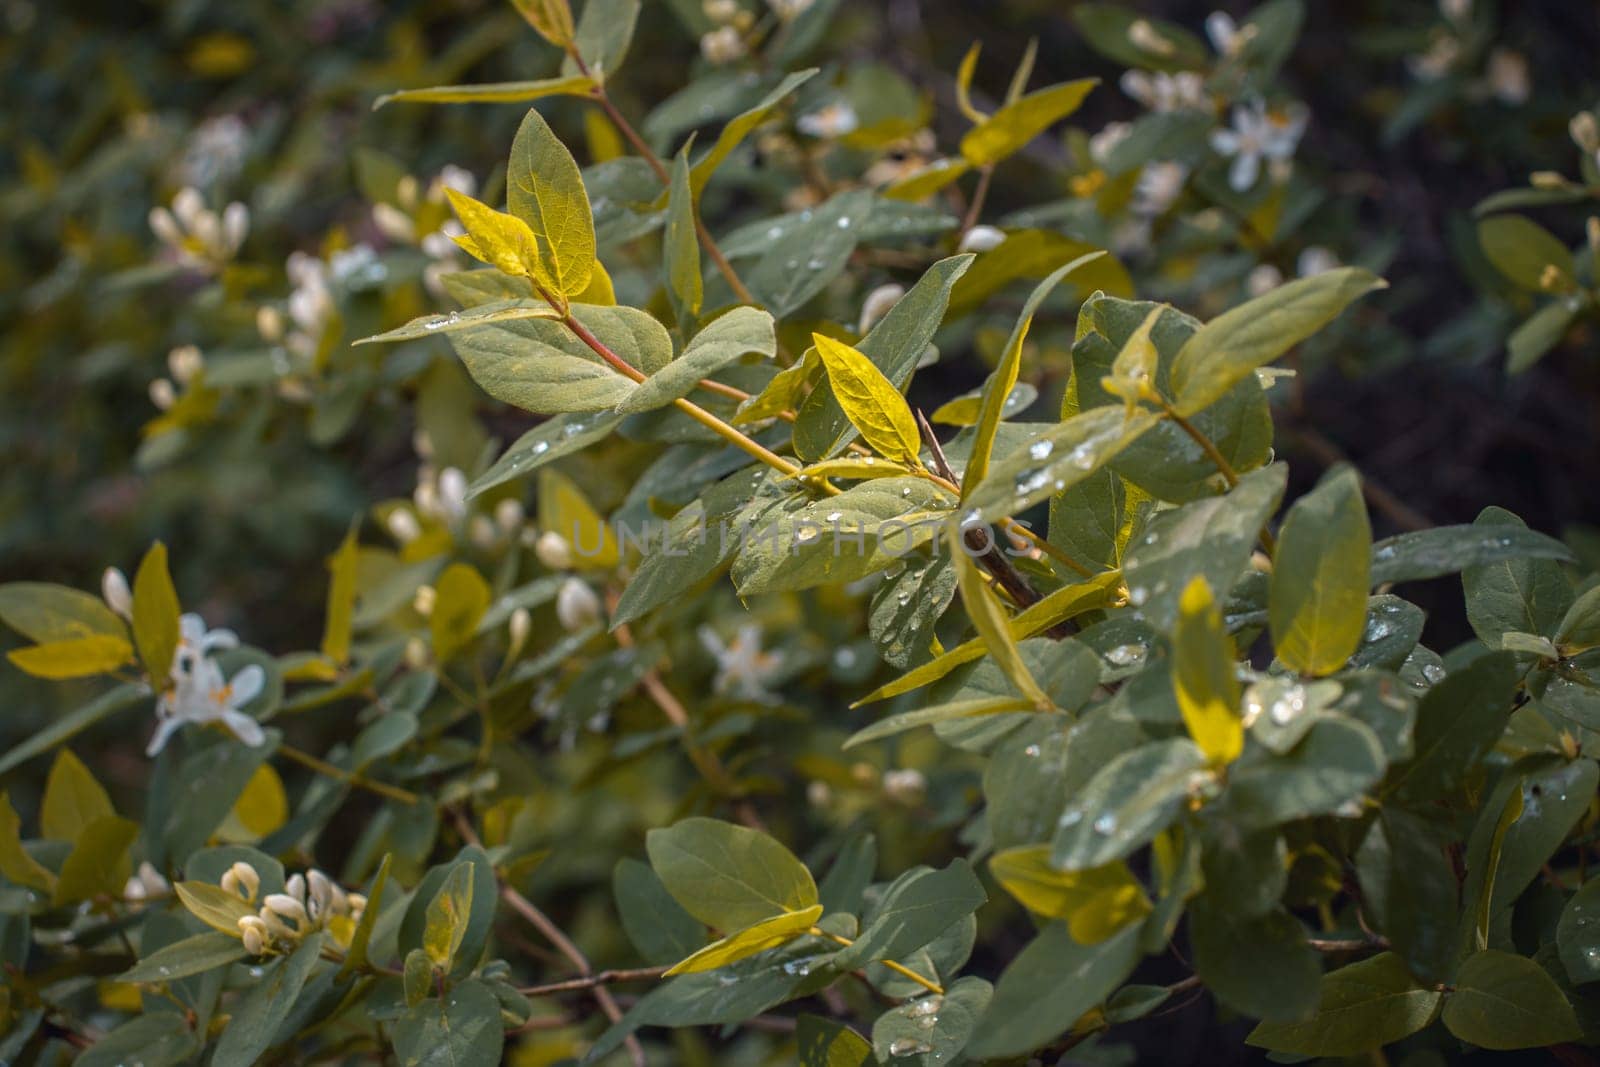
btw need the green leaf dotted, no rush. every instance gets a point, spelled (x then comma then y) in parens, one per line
(552, 19)
(992, 623)
(447, 917)
(894, 345)
(1335, 763)
(1524, 595)
(1458, 722)
(681, 256)
(50, 613)
(1008, 130)
(1580, 626)
(417, 977)
(550, 440)
(913, 911)
(485, 893)
(1228, 348)
(799, 263)
(98, 863)
(1048, 987)
(1259, 965)
(871, 402)
(768, 933)
(1409, 885)
(1498, 537)
(15, 862)
(541, 366)
(740, 331)
(192, 955)
(729, 877)
(481, 315)
(956, 709)
(461, 1028)
(932, 1029)
(157, 1039)
(1504, 1001)
(656, 924)
(462, 596)
(213, 905)
(605, 29)
(1318, 605)
(1058, 459)
(997, 390)
(491, 93)
(1204, 676)
(545, 190)
(1554, 799)
(1095, 903)
(1131, 799)
(739, 127)
(72, 799)
(1210, 538)
(1109, 30)
(1524, 252)
(499, 239)
(1538, 334)
(155, 615)
(827, 1043)
(1578, 934)
(905, 609)
(356, 955)
(1361, 1008)
(262, 1009)
(341, 600)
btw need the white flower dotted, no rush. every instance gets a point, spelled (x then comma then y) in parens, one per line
(877, 305)
(520, 625)
(202, 696)
(1508, 76)
(720, 11)
(1257, 134)
(269, 323)
(1111, 135)
(197, 237)
(1263, 279)
(453, 492)
(577, 607)
(394, 223)
(1437, 61)
(423, 601)
(1160, 91)
(509, 514)
(163, 394)
(146, 882)
(722, 46)
(1158, 186)
(982, 239)
(114, 588)
(215, 151)
(243, 879)
(403, 526)
(1315, 260)
(1226, 37)
(553, 551)
(185, 363)
(254, 933)
(195, 641)
(906, 786)
(451, 176)
(834, 120)
(743, 670)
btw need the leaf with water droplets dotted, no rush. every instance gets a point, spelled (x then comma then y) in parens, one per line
(192, 955)
(932, 1029)
(1318, 605)
(740, 331)
(1525, 593)
(1458, 721)
(1127, 803)
(957, 709)
(768, 933)
(482, 315)
(1338, 760)
(1203, 678)
(1445, 550)
(551, 439)
(1096, 902)
(727, 876)
(871, 402)
(1578, 934)
(1361, 1007)
(912, 912)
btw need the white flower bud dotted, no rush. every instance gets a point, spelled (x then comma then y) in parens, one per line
(235, 225)
(453, 492)
(1263, 279)
(185, 362)
(906, 786)
(296, 887)
(114, 588)
(722, 46)
(403, 526)
(521, 623)
(246, 878)
(276, 927)
(426, 497)
(165, 227)
(133, 889)
(481, 531)
(577, 607)
(720, 11)
(286, 907)
(819, 794)
(393, 223)
(255, 934)
(188, 206)
(357, 903)
(877, 305)
(319, 893)
(423, 602)
(1585, 131)
(416, 653)
(162, 394)
(508, 514)
(982, 239)
(553, 551)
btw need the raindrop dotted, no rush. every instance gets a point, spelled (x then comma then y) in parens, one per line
(1082, 457)
(1433, 672)
(844, 222)
(1125, 655)
(1040, 449)
(908, 1046)
(1105, 824)
(1070, 817)
(1032, 750)
(1138, 595)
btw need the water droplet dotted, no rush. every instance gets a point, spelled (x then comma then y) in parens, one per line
(1289, 705)
(814, 263)
(971, 519)
(844, 222)
(800, 968)
(926, 1006)
(1433, 673)
(908, 1046)
(1032, 750)
(541, 447)
(1105, 824)
(727, 979)
(1125, 655)
(1070, 817)
(1138, 595)
(1082, 457)
(844, 658)
(1040, 449)
(1377, 629)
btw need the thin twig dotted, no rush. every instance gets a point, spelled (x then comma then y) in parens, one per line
(589, 981)
(323, 767)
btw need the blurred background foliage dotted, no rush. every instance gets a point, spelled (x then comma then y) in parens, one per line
(253, 470)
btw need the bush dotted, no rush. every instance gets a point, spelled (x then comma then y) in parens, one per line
(789, 718)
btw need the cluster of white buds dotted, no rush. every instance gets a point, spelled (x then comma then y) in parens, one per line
(905, 786)
(982, 239)
(722, 46)
(440, 495)
(420, 218)
(308, 903)
(146, 884)
(197, 236)
(577, 606)
(789, 9)
(185, 364)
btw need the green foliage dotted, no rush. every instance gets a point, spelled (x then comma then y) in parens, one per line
(671, 694)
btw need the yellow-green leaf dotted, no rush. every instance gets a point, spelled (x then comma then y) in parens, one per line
(1095, 903)
(855, 467)
(682, 246)
(998, 387)
(599, 290)
(503, 241)
(214, 906)
(15, 863)
(1527, 253)
(1013, 126)
(491, 93)
(155, 615)
(993, 627)
(460, 600)
(551, 18)
(1134, 369)
(342, 570)
(1317, 606)
(262, 807)
(740, 126)
(72, 799)
(47, 613)
(75, 657)
(564, 509)
(1203, 675)
(964, 73)
(928, 180)
(447, 917)
(769, 933)
(98, 863)
(871, 402)
(545, 190)
(361, 937)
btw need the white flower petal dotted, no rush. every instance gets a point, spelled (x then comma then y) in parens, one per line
(246, 685)
(1244, 171)
(244, 727)
(165, 728)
